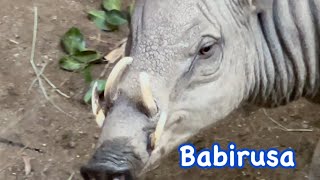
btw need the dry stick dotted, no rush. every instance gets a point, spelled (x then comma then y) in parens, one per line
(48, 81)
(118, 45)
(10, 164)
(34, 38)
(97, 39)
(54, 87)
(36, 79)
(284, 128)
(13, 41)
(4, 168)
(105, 69)
(71, 176)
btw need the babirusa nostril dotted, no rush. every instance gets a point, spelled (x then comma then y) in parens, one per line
(84, 174)
(122, 177)
(103, 172)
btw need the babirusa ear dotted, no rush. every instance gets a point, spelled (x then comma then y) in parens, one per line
(95, 104)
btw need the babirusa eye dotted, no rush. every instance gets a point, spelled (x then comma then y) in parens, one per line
(206, 51)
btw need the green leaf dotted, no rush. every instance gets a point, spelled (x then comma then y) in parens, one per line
(70, 64)
(112, 5)
(99, 18)
(87, 56)
(87, 74)
(73, 41)
(115, 18)
(131, 8)
(101, 86)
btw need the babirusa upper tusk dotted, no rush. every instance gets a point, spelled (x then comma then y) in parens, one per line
(147, 98)
(159, 128)
(96, 108)
(115, 75)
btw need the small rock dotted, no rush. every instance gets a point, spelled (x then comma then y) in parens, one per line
(283, 119)
(72, 144)
(305, 126)
(54, 17)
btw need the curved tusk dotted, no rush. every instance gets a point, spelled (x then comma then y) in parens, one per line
(159, 129)
(95, 99)
(95, 105)
(147, 98)
(115, 74)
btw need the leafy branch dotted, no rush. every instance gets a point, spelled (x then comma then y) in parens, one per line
(78, 58)
(111, 16)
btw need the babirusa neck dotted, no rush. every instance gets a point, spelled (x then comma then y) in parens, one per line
(289, 60)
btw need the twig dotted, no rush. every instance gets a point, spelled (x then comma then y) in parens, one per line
(105, 69)
(48, 81)
(36, 79)
(27, 164)
(55, 87)
(283, 127)
(5, 167)
(13, 41)
(98, 39)
(34, 38)
(10, 164)
(121, 42)
(71, 176)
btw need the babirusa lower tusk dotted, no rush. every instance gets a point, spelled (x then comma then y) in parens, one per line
(100, 118)
(159, 128)
(95, 99)
(147, 98)
(95, 104)
(115, 75)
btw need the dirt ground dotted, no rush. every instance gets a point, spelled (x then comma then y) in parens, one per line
(58, 144)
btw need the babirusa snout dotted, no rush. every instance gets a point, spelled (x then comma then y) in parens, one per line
(120, 151)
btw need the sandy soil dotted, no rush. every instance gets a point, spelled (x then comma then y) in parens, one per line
(59, 144)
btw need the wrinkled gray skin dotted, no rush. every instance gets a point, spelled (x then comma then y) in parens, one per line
(205, 58)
